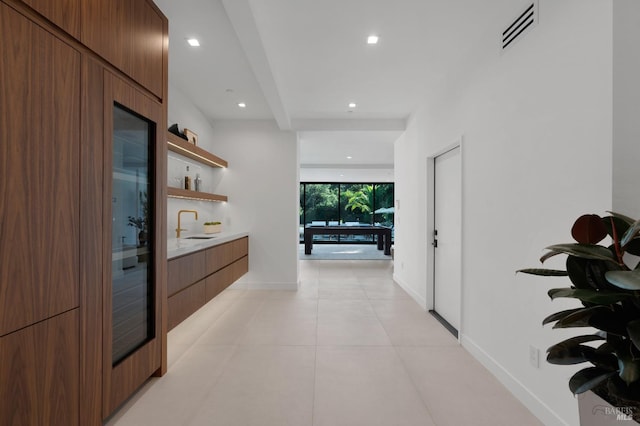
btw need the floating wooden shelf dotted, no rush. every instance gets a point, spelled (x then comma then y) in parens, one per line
(181, 146)
(194, 195)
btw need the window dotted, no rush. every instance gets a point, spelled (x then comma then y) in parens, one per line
(347, 204)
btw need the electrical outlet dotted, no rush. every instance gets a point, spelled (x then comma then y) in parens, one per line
(534, 356)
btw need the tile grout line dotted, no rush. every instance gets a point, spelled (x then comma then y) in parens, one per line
(404, 367)
(315, 366)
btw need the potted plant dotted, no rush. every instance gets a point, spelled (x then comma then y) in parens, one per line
(212, 227)
(141, 223)
(606, 282)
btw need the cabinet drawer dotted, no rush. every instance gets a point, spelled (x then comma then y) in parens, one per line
(240, 248)
(240, 267)
(184, 271)
(219, 256)
(186, 302)
(219, 281)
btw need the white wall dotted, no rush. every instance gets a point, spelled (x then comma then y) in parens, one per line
(536, 125)
(261, 183)
(626, 99)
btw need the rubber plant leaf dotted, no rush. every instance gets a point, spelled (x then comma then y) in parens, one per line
(588, 378)
(633, 328)
(580, 318)
(577, 270)
(627, 280)
(610, 322)
(585, 251)
(559, 315)
(621, 225)
(621, 216)
(578, 340)
(631, 233)
(568, 354)
(544, 272)
(592, 296)
(629, 368)
(633, 247)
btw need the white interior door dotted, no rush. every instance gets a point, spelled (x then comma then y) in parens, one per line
(447, 241)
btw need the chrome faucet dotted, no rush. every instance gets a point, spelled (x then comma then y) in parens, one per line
(179, 213)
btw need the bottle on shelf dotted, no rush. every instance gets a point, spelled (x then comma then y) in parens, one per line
(187, 180)
(198, 182)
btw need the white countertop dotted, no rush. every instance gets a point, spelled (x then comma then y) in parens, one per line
(177, 247)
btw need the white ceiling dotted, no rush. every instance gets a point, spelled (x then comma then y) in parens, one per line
(301, 62)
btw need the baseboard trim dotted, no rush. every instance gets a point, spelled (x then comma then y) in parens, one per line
(411, 292)
(541, 410)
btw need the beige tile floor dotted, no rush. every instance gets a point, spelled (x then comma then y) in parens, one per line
(348, 348)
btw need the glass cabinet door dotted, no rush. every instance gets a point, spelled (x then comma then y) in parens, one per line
(131, 233)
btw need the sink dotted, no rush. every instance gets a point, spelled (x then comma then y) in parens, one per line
(199, 237)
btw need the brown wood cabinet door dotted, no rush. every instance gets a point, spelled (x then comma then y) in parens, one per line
(63, 13)
(132, 290)
(131, 35)
(39, 173)
(184, 271)
(186, 302)
(39, 373)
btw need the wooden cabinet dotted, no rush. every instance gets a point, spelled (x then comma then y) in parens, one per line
(55, 203)
(185, 271)
(223, 265)
(186, 302)
(131, 35)
(40, 180)
(39, 373)
(63, 13)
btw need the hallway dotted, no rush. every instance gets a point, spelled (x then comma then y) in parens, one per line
(348, 348)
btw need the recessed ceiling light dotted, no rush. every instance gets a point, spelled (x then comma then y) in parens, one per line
(193, 42)
(352, 105)
(349, 157)
(372, 39)
(242, 105)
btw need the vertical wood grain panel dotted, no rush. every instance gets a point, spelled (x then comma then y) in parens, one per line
(39, 166)
(91, 243)
(147, 49)
(63, 13)
(130, 34)
(106, 28)
(39, 373)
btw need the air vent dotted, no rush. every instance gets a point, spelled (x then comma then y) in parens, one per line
(521, 25)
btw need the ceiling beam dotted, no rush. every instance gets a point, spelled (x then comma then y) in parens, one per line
(349, 124)
(244, 24)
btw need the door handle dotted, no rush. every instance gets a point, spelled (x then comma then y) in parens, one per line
(435, 241)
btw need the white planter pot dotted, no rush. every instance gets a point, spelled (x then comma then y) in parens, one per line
(212, 229)
(595, 411)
